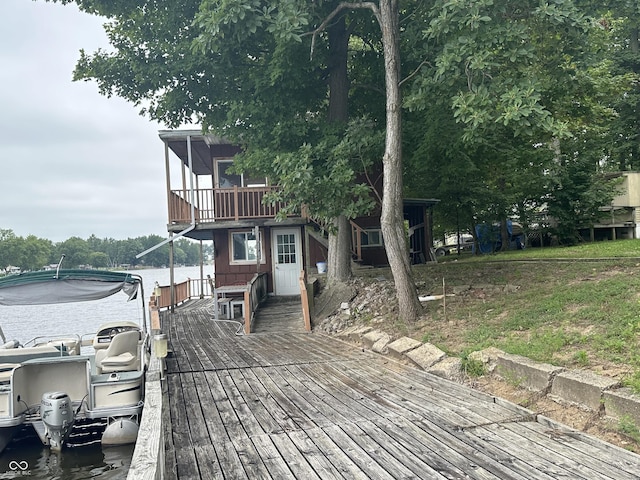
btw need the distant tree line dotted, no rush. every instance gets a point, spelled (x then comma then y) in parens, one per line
(33, 253)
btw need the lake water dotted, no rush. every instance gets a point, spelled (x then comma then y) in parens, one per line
(28, 458)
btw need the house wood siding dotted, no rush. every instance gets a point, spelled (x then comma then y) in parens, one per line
(317, 252)
(228, 273)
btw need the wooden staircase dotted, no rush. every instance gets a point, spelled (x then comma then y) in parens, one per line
(356, 239)
(279, 315)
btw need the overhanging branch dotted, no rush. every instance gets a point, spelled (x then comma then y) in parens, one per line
(414, 73)
(342, 6)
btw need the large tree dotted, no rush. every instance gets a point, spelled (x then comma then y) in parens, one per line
(243, 68)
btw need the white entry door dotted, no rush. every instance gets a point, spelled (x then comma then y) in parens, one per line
(287, 260)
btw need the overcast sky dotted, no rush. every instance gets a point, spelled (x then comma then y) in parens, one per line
(72, 162)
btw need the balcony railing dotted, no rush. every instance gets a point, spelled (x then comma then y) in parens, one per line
(212, 204)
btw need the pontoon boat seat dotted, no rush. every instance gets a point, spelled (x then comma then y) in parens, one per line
(70, 345)
(6, 369)
(121, 355)
(20, 355)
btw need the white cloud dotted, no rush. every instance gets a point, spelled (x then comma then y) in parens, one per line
(72, 162)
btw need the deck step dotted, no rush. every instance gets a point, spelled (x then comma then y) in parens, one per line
(279, 315)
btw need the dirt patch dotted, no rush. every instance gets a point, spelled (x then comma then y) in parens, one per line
(331, 298)
(576, 418)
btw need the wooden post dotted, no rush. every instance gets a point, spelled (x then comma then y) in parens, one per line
(304, 299)
(247, 312)
(236, 207)
(171, 274)
(155, 319)
(149, 453)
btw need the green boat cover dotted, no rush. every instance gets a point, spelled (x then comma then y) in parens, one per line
(65, 286)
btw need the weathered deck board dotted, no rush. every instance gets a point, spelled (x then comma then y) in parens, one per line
(298, 405)
(278, 315)
(580, 451)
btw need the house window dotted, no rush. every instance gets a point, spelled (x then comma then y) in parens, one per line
(230, 180)
(245, 247)
(371, 237)
(248, 181)
(227, 180)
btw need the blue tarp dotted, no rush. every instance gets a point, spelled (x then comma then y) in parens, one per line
(490, 240)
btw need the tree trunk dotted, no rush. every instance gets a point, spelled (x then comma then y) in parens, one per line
(338, 73)
(392, 218)
(339, 261)
(504, 236)
(634, 46)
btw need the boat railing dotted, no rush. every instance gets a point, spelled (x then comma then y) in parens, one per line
(42, 339)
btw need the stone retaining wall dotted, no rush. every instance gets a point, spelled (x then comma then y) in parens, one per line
(581, 388)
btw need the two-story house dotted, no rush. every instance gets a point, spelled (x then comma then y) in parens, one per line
(210, 204)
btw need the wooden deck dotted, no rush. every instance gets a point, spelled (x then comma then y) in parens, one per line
(307, 406)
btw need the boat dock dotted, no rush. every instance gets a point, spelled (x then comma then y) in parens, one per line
(306, 405)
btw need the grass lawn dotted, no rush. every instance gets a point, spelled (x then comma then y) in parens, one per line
(569, 306)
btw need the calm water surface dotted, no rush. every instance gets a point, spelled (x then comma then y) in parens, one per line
(28, 459)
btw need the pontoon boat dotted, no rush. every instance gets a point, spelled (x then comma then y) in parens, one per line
(69, 383)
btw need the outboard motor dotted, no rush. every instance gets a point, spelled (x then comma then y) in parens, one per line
(57, 416)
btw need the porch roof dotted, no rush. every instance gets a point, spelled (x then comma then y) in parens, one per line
(204, 148)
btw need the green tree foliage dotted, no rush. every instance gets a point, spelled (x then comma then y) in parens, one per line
(99, 260)
(9, 254)
(244, 70)
(505, 102)
(76, 252)
(511, 88)
(324, 177)
(619, 22)
(500, 61)
(33, 253)
(575, 195)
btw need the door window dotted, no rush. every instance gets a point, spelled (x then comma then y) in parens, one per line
(286, 246)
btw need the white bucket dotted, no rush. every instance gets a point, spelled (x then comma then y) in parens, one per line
(322, 267)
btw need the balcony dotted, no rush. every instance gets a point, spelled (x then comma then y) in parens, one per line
(215, 204)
